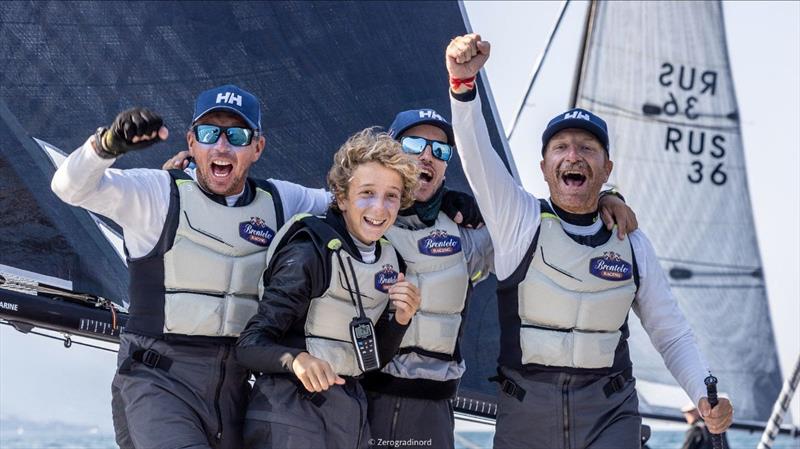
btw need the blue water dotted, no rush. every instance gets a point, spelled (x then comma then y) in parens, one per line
(464, 440)
(42, 440)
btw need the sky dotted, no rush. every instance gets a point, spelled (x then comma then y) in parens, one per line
(40, 379)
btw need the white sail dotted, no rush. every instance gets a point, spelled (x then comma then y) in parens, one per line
(658, 72)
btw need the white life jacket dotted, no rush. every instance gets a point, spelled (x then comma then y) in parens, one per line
(212, 271)
(574, 299)
(437, 265)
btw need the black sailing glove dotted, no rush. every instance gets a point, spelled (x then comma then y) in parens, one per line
(134, 122)
(454, 202)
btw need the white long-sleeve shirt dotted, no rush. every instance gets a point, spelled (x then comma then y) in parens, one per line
(138, 199)
(513, 215)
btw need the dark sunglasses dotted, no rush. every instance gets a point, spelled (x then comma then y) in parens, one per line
(236, 135)
(416, 145)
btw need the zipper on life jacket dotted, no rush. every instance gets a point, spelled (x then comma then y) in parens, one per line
(395, 416)
(226, 351)
(565, 408)
(361, 418)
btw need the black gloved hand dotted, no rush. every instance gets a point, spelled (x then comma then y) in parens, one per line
(454, 202)
(134, 122)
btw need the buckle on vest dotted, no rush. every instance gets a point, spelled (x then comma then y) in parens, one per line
(508, 386)
(617, 382)
(150, 358)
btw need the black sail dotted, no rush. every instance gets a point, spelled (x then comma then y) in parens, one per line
(323, 70)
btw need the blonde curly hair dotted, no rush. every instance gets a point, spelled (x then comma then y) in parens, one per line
(370, 145)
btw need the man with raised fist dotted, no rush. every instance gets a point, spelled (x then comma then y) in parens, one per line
(566, 286)
(196, 244)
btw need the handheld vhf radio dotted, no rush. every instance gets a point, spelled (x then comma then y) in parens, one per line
(362, 334)
(362, 331)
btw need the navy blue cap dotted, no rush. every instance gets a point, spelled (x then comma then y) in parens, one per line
(577, 118)
(232, 99)
(411, 118)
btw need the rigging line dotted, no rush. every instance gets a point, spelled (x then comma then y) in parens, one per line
(649, 118)
(537, 69)
(710, 264)
(65, 340)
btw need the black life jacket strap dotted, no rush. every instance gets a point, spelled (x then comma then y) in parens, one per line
(147, 357)
(508, 386)
(618, 382)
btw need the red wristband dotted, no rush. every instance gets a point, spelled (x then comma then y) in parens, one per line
(469, 83)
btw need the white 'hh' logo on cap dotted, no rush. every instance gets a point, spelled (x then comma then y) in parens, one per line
(230, 98)
(430, 114)
(577, 114)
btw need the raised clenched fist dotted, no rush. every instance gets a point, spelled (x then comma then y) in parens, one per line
(133, 129)
(466, 55)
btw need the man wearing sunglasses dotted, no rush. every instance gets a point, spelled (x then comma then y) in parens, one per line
(196, 244)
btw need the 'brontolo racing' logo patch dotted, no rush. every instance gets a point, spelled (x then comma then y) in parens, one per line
(385, 278)
(256, 231)
(439, 243)
(610, 267)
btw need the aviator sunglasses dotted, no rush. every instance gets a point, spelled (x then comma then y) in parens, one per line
(236, 135)
(416, 145)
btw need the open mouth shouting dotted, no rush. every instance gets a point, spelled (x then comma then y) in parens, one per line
(573, 178)
(574, 175)
(221, 168)
(426, 173)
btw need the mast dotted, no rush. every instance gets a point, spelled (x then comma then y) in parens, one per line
(579, 67)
